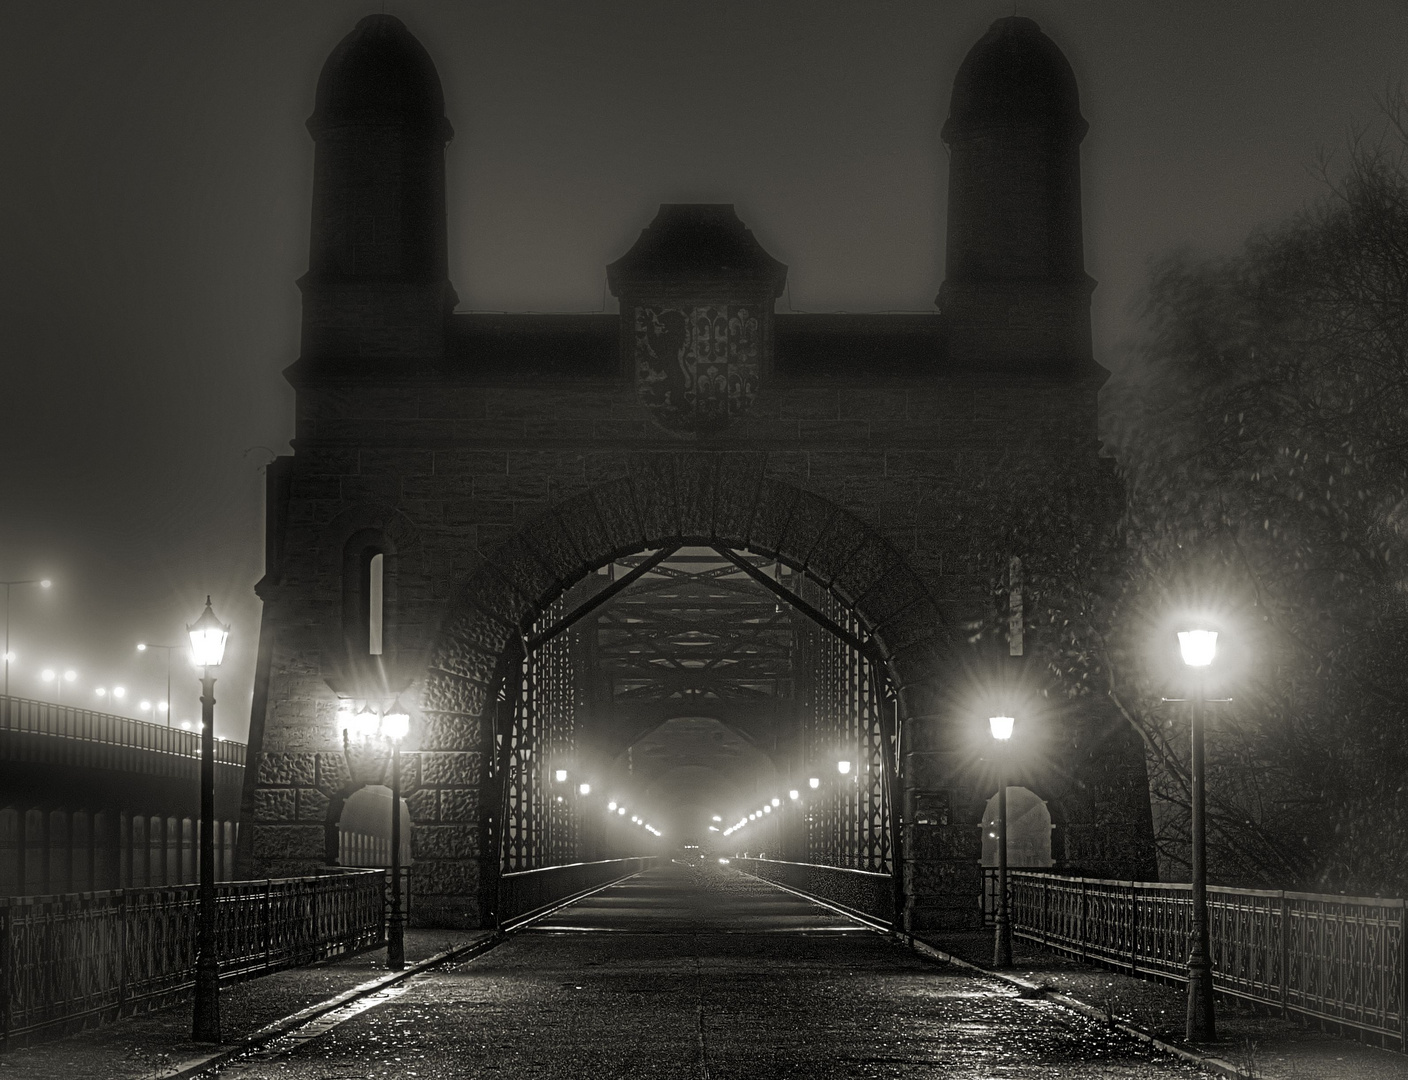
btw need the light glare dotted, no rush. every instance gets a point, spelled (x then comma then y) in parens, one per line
(1001, 727)
(1198, 647)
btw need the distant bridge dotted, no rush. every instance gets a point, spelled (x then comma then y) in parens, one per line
(89, 800)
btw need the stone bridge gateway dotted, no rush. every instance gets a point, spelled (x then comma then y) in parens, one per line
(455, 476)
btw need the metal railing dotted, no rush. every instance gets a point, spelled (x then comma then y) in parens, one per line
(526, 893)
(82, 958)
(862, 892)
(1338, 960)
(25, 716)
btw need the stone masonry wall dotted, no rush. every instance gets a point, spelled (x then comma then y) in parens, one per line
(463, 475)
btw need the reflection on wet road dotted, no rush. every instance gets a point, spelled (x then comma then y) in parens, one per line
(705, 973)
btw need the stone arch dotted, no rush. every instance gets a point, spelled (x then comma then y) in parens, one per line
(704, 498)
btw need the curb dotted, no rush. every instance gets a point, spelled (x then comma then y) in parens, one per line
(1032, 990)
(184, 1070)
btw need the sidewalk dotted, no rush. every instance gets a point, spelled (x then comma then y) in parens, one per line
(1264, 1047)
(141, 1046)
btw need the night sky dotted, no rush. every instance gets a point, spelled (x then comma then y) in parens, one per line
(154, 218)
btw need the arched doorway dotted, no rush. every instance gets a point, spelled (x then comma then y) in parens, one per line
(1028, 830)
(364, 828)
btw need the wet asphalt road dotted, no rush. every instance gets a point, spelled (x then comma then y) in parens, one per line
(704, 973)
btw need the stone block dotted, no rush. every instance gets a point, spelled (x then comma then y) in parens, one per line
(776, 502)
(333, 774)
(460, 657)
(589, 536)
(518, 562)
(303, 843)
(452, 769)
(275, 805)
(312, 805)
(736, 496)
(696, 482)
(495, 595)
(424, 805)
(460, 804)
(864, 569)
(873, 403)
(459, 463)
(445, 693)
(549, 538)
(615, 507)
(288, 770)
(451, 731)
(656, 498)
(434, 842)
(446, 878)
(396, 462)
(837, 548)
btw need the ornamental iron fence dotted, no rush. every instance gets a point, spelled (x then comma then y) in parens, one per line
(81, 958)
(1337, 960)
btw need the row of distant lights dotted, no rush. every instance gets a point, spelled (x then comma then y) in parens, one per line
(613, 806)
(843, 767)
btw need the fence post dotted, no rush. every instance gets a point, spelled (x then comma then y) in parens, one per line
(1403, 975)
(268, 920)
(6, 969)
(1045, 906)
(1133, 929)
(1084, 914)
(122, 986)
(1285, 945)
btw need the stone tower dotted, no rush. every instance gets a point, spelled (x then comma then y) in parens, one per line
(377, 283)
(1016, 293)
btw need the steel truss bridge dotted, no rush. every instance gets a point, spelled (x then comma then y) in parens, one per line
(694, 682)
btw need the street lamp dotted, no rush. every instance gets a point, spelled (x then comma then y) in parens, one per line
(813, 782)
(1199, 648)
(394, 725)
(208, 636)
(1001, 727)
(43, 583)
(143, 646)
(843, 767)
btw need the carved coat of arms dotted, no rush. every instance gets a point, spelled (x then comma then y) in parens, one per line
(697, 367)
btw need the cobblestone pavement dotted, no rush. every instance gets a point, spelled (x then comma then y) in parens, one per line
(704, 973)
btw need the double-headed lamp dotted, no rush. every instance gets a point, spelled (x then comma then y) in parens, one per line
(1198, 647)
(208, 636)
(1001, 727)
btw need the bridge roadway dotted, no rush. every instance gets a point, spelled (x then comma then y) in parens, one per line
(701, 972)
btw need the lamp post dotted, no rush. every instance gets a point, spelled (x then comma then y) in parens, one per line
(394, 725)
(43, 583)
(1001, 727)
(1199, 647)
(143, 646)
(208, 636)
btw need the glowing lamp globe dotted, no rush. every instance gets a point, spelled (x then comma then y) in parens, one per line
(1001, 727)
(584, 789)
(843, 767)
(777, 802)
(611, 805)
(1198, 647)
(397, 722)
(794, 794)
(208, 636)
(560, 775)
(621, 810)
(813, 782)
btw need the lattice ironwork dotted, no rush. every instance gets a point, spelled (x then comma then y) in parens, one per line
(847, 710)
(542, 827)
(1333, 958)
(79, 957)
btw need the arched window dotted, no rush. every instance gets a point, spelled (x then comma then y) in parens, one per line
(368, 584)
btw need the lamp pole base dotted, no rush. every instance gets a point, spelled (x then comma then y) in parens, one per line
(1200, 1027)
